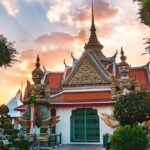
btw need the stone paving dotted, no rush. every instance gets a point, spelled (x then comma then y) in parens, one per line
(78, 147)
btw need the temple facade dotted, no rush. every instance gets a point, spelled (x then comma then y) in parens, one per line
(88, 88)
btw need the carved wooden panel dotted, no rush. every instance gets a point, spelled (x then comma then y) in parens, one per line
(86, 74)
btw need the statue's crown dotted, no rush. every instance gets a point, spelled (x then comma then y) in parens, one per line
(37, 72)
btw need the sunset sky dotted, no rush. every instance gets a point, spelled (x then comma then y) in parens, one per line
(56, 28)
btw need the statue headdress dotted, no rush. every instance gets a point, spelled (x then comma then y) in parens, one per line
(37, 72)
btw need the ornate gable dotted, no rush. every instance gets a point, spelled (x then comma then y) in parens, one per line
(86, 74)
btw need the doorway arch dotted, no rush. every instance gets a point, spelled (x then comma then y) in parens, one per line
(85, 125)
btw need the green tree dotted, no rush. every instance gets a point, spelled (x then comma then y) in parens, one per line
(133, 108)
(7, 52)
(4, 109)
(5, 119)
(17, 143)
(129, 138)
(144, 13)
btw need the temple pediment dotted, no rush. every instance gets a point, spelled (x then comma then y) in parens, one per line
(86, 74)
(87, 71)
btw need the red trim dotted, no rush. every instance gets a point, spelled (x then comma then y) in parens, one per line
(83, 105)
(81, 100)
(73, 94)
(77, 104)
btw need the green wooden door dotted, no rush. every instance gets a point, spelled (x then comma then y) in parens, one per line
(85, 125)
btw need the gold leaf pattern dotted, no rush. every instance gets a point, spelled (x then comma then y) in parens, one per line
(86, 74)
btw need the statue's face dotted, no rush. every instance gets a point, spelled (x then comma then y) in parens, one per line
(37, 77)
(124, 70)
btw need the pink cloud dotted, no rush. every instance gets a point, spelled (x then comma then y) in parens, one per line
(60, 38)
(102, 11)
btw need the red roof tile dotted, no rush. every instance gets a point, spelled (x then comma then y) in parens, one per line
(83, 97)
(97, 98)
(142, 76)
(54, 80)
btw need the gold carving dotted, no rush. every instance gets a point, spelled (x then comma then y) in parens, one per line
(86, 74)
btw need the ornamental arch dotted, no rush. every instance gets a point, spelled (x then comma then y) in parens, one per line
(85, 125)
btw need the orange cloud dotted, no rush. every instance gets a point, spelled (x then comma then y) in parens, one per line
(20, 72)
(51, 56)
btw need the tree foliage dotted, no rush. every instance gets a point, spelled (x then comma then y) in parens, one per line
(129, 138)
(5, 119)
(144, 11)
(17, 143)
(4, 109)
(7, 52)
(148, 43)
(133, 108)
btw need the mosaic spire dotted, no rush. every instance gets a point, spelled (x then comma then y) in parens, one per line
(93, 42)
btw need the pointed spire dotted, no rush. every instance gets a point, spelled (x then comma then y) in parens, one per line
(38, 62)
(93, 24)
(124, 67)
(123, 57)
(93, 42)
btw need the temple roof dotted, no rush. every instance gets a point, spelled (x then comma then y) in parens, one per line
(83, 98)
(21, 108)
(54, 79)
(142, 75)
(13, 103)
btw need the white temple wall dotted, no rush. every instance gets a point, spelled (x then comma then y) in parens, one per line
(63, 126)
(103, 127)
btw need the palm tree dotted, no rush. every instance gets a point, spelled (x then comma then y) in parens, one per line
(7, 52)
(144, 12)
